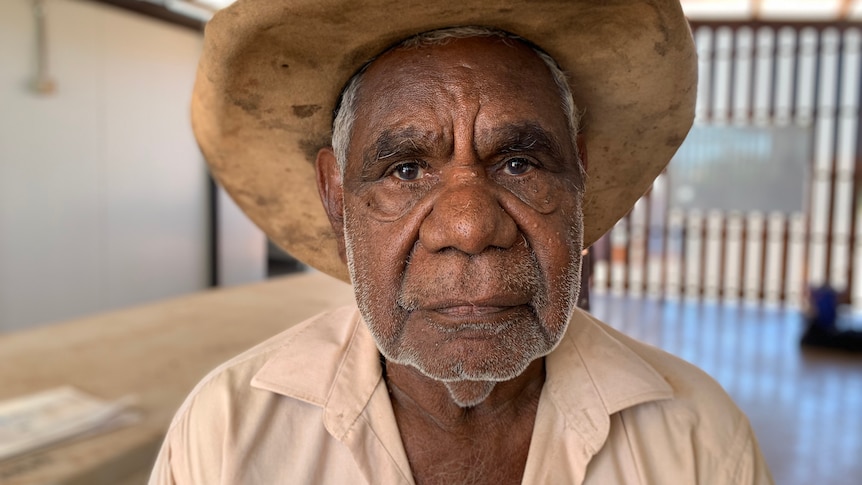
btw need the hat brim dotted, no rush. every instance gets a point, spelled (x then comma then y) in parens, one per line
(271, 72)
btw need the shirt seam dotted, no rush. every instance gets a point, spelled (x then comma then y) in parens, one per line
(645, 397)
(341, 365)
(635, 461)
(733, 462)
(592, 380)
(593, 450)
(380, 442)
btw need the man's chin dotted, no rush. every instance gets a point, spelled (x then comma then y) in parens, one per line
(467, 394)
(475, 367)
(496, 350)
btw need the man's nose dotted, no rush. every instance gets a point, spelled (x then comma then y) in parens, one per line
(467, 216)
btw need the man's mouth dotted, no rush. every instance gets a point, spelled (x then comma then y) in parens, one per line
(478, 318)
(473, 306)
(470, 310)
(471, 327)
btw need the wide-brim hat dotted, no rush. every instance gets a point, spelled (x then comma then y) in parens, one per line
(272, 70)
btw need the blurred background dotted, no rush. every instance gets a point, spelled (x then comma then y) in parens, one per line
(105, 201)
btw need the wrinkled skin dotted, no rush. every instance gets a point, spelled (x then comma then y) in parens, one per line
(460, 207)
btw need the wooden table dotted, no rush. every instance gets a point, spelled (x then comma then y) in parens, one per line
(157, 353)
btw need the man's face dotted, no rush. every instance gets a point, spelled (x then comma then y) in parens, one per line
(461, 213)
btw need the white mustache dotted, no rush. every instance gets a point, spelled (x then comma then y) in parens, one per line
(465, 279)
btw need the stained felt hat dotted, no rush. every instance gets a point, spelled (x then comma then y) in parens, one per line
(272, 70)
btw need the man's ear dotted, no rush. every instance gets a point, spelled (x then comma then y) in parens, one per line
(582, 150)
(329, 185)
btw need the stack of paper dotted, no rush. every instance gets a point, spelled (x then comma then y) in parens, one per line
(37, 420)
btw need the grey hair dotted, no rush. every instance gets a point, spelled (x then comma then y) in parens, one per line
(345, 110)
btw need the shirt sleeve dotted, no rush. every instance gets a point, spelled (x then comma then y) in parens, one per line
(162, 473)
(751, 467)
(191, 452)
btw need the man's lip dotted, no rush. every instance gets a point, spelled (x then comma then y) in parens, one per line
(479, 306)
(471, 319)
(469, 310)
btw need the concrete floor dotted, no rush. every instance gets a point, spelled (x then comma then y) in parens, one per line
(805, 406)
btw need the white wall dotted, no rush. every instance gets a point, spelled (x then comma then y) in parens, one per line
(242, 246)
(102, 188)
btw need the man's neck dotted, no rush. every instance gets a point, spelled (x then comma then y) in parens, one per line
(447, 443)
(421, 395)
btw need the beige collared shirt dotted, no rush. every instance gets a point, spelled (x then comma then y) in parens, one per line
(309, 406)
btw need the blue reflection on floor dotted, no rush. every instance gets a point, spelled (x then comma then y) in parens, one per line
(806, 406)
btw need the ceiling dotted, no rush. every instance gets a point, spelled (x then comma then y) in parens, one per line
(696, 10)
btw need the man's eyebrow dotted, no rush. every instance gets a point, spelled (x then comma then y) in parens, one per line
(518, 137)
(397, 143)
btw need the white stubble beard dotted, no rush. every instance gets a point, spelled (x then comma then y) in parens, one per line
(465, 390)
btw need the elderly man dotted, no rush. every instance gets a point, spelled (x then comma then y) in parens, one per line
(459, 183)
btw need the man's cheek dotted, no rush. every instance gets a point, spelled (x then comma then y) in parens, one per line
(375, 283)
(379, 253)
(540, 192)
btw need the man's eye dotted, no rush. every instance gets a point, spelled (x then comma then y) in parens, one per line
(408, 171)
(517, 166)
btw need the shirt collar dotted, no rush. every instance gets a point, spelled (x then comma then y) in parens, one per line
(620, 376)
(333, 362)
